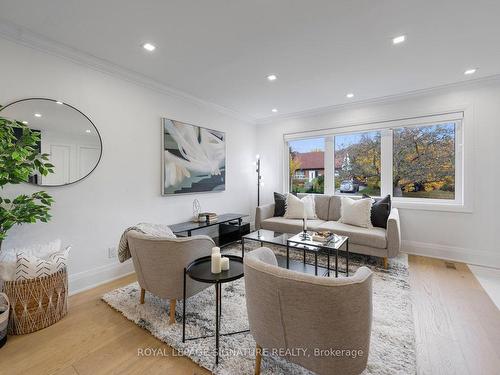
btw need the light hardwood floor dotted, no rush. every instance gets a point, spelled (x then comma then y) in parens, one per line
(457, 332)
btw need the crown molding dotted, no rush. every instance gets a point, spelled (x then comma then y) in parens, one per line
(379, 100)
(28, 38)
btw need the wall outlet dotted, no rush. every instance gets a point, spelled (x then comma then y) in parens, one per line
(111, 252)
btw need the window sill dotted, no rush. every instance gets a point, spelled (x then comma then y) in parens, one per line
(431, 206)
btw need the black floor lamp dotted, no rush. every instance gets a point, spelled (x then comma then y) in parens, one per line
(259, 177)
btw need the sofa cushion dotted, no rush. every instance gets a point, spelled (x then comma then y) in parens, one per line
(279, 204)
(373, 237)
(280, 224)
(381, 209)
(299, 208)
(322, 204)
(356, 212)
(334, 208)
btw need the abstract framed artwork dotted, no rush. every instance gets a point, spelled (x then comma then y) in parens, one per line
(193, 159)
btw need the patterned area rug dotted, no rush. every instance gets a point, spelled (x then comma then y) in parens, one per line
(392, 348)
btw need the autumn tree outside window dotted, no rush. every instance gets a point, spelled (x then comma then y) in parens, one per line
(412, 161)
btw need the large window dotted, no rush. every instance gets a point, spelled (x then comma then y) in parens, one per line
(415, 160)
(357, 163)
(306, 158)
(424, 161)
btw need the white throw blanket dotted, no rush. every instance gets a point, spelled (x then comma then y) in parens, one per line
(153, 230)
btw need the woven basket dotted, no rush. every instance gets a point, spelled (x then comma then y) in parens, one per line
(37, 303)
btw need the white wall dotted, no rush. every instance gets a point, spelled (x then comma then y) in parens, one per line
(471, 237)
(125, 188)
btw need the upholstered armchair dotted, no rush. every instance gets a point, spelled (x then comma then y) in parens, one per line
(291, 312)
(159, 264)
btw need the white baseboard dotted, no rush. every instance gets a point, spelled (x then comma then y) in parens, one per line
(458, 254)
(85, 280)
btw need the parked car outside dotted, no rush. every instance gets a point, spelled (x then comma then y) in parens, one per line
(349, 186)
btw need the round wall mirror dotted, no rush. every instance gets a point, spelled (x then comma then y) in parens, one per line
(66, 134)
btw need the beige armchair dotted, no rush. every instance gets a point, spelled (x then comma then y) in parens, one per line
(159, 264)
(306, 318)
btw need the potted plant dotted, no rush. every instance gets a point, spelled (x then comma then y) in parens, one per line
(20, 158)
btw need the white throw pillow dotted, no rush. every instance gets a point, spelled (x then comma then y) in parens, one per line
(298, 208)
(356, 212)
(30, 266)
(8, 257)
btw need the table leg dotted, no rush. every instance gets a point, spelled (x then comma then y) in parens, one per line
(316, 263)
(337, 262)
(220, 301)
(347, 257)
(328, 262)
(184, 309)
(242, 247)
(304, 256)
(240, 221)
(217, 323)
(287, 255)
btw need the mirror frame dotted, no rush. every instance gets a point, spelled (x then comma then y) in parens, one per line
(84, 115)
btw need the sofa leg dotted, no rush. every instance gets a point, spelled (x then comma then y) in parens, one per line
(258, 359)
(172, 311)
(386, 265)
(143, 294)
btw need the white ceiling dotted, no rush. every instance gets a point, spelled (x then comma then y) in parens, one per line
(222, 50)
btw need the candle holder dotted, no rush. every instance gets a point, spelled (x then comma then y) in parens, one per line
(304, 235)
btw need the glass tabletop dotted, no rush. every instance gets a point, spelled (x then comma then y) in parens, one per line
(277, 238)
(268, 236)
(333, 242)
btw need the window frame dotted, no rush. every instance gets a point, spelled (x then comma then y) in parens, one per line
(462, 182)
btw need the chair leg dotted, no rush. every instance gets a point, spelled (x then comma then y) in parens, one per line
(258, 359)
(172, 311)
(386, 265)
(143, 293)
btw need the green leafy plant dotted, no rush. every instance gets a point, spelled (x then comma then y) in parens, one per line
(20, 159)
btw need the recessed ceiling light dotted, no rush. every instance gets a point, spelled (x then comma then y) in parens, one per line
(88, 131)
(38, 115)
(470, 71)
(25, 122)
(274, 110)
(271, 77)
(58, 102)
(149, 47)
(350, 95)
(399, 39)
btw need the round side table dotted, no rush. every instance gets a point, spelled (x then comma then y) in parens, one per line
(200, 270)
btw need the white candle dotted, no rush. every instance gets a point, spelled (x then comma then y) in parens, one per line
(215, 250)
(225, 263)
(216, 262)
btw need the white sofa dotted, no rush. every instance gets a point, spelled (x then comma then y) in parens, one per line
(379, 242)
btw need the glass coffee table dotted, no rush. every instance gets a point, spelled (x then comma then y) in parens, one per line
(292, 242)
